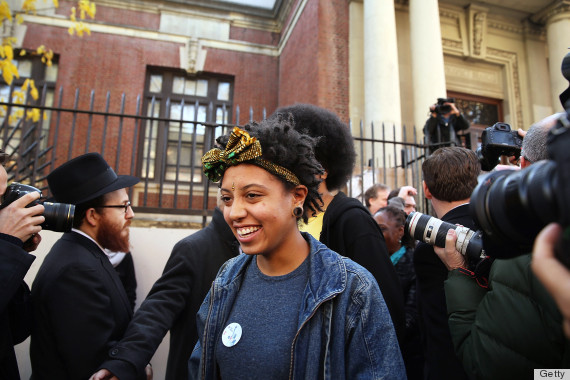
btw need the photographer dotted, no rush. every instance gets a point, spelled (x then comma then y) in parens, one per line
(509, 326)
(507, 329)
(18, 224)
(449, 177)
(443, 124)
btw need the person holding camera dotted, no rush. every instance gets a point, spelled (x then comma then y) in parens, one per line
(449, 177)
(509, 325)
(80, 307)
(508, 328)
(443, 124)
(18, 224)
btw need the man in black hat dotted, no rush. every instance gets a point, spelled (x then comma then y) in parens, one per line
(80, 306)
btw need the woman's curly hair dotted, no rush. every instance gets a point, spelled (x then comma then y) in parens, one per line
(335, 148)
(284, 146)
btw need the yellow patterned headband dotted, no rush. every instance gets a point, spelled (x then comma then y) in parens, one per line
(239, 149)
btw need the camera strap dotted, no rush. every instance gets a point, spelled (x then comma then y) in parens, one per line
(481, 272)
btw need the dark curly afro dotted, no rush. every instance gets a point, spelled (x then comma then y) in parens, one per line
(283, 145)
(335, 148)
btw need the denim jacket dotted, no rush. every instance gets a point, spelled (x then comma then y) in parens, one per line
(344, 329)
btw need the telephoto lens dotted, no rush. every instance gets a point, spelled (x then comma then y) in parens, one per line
(433, 231)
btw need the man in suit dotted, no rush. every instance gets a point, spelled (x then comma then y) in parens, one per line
(18, 224)
(450, 175)
(80, 306)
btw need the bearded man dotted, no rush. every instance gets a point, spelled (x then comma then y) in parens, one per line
(80, 306)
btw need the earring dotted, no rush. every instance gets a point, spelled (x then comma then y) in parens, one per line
(298, 212)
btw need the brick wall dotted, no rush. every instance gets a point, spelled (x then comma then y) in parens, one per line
(314, 64)
(298, 70)
(103, 63)
(255, 78)
(253, 35)
(313, 68)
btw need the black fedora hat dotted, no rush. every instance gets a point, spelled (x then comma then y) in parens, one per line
(85, 178)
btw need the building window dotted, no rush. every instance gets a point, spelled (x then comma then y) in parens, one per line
(481, 112)
(173, 145)
(29, 67)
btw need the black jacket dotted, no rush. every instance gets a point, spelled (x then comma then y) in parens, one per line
(80, 310)
(173, 302)
(441, 361)
(15, 312)
(126, 272)
(437, 130)
(350, 230)
(411, 346)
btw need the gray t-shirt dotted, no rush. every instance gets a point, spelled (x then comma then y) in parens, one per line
(266, 310)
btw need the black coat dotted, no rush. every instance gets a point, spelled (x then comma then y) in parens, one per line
(431, 273)
(436, 130)
(173, 302)
(350, 230)
(15, 312)
(80, 310)
(126, 272)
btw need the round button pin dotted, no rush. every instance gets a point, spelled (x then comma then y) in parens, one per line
(231, 334)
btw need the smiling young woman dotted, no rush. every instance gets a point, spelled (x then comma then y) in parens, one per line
(289, 308)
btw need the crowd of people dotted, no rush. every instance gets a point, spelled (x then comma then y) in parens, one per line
(291, 279)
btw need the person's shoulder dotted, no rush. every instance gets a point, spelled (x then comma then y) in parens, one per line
(357, 272)
(191, 240)
(514, 272)
(232, 267)
(348, 208)
(202, 244)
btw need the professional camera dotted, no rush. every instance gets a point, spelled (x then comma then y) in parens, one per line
(442, 108)
(432, 231)
(58, 216)
(512, 207)
(496, 141)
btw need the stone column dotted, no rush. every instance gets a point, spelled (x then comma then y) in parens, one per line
(558, 41)
(428, 73)
(381, 70)
(538, 73)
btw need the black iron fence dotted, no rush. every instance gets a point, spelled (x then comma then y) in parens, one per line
(165, 152)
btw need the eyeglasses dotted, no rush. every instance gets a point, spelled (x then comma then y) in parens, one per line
(125, 206)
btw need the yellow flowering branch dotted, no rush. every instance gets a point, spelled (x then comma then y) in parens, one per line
(86, 8)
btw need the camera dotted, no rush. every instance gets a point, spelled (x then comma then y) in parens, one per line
(512, 207)
(432, 231)
(498, 140)
(58, 216)
(441, 107)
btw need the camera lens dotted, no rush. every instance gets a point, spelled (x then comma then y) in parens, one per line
(427, 229)
(59, 216)
(433, 231)
(511, 208)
